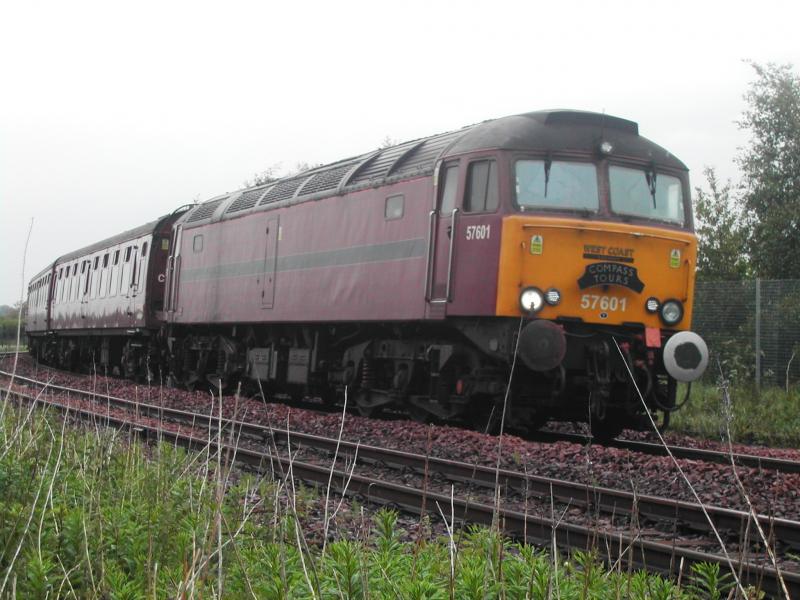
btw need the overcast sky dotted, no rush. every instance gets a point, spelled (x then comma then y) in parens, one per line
(112, 114)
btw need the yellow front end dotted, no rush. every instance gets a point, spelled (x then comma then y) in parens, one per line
(603, 271)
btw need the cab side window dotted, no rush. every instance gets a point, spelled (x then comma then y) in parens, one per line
(449, 186)
(481, 194)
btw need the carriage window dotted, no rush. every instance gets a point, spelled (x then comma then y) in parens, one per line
(394, 207)
(449, 184)
(105, 260)
(481, 193)
(144, 250)
(96, 261)
(556, 184)
(197, 243)
(116, 257)
(128, 253)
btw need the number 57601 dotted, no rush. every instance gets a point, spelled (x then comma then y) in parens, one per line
(612, 303)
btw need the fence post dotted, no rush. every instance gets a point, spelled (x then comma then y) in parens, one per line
(758, 333)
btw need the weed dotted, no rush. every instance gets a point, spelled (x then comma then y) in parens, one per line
(771, 416)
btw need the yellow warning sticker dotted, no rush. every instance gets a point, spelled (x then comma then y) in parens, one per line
(537, 242)
(675, 258)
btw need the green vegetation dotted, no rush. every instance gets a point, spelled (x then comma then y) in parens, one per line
(771, 416)
(750, 230)
(8, 327)
(97, 514)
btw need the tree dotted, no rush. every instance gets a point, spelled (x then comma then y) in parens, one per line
(9, 316)
(721, 232)
(268, 175)
(273, 173)
(387, 142)
(770, 166)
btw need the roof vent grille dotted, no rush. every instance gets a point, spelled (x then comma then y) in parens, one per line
(247, 200)
(282, 190)
(326, 180)
(205, 210)
(423, 158)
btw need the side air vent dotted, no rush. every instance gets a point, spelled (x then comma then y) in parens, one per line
(247, 200)
(205, 210)
(282, 191)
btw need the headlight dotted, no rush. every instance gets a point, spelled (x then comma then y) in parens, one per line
(671, 312)
(652, 305)
(552, 296)
(531, 300)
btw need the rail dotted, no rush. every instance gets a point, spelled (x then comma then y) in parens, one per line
(658, 556)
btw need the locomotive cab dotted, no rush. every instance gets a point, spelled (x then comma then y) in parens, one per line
(595, 248)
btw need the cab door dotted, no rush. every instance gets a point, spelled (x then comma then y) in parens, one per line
(466, 231)
(443, 246)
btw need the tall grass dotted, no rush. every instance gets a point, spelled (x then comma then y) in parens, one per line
(96, 513)
(770, 416)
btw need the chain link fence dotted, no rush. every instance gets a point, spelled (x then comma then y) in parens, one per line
(752, 328)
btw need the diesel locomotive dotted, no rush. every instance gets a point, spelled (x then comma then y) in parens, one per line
(545, 259)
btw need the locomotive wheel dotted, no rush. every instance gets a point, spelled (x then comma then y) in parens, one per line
(369, 411)
(418, 414)
(365, 407)
(606, 429)
(485, 415)
(536, 423)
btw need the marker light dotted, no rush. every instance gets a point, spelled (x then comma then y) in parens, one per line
(552, 296)
(652, 305)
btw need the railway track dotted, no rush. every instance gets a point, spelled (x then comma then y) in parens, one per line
(714, 456)
(653, 555)
(701, 454)
(690, 515)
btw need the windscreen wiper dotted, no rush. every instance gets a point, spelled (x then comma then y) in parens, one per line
(547, 164)
(650, 176)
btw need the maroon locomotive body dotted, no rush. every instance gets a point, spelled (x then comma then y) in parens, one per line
(412, 275)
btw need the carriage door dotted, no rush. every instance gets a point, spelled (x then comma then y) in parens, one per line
(270, 263)
(83, 289)
(443, 230)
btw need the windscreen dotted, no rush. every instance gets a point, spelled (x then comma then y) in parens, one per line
(556, 184)
(635, 192)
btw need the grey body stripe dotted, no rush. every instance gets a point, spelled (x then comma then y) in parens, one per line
(355, 255)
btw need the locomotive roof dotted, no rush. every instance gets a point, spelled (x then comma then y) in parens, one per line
(541, 131)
